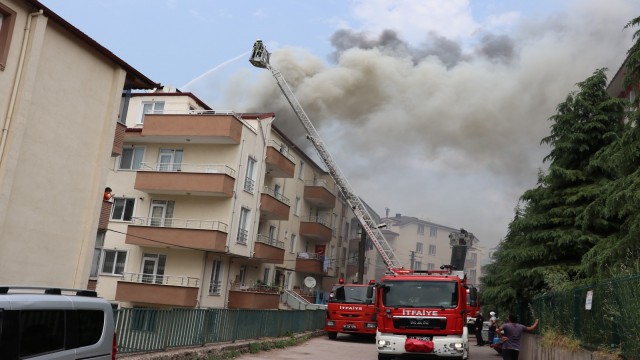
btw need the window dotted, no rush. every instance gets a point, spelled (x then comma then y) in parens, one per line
(249, 179)
(301, 169)
(432, 249)
(215, 284)
(433, 231)
(242, 276)
(155, 107)
(420, 229)
(7, 20)
(161, 213)
(97, 252)
(417, 265)
(122, 209)
(296, 207)
(113, 263)
(243, 231)
(431, 266)
(292, 243)
(153, 268)
(418, 248)
(265, 278)
(131, 158)
(272, 234)
(170, 160)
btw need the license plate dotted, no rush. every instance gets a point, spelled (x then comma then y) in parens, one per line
(349, 327)
(421, 338)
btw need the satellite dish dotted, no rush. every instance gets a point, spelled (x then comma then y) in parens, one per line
(310, 282)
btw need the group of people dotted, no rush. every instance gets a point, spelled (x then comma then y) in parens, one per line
(506, 336)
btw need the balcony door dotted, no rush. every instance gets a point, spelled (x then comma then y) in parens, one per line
(169, 160)
(161, 213)
(153, 268)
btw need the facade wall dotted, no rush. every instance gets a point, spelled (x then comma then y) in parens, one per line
(54, 162)
(236, 267)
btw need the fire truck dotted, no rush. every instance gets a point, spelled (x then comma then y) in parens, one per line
(424, 312)
(351, 309)
(406, 323)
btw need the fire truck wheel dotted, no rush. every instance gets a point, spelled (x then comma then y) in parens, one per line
(332, 335)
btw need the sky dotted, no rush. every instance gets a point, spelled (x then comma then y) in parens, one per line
(431, 108)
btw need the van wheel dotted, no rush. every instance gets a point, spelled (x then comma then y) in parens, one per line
(332, 335)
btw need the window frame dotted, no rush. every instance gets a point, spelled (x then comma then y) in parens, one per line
(7, 24)
(134, 151)
(153, 109)
(123, 216)
(115, 262)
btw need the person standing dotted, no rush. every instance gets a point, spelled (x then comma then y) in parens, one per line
(492, 326)
(479, 324)
(510, 334)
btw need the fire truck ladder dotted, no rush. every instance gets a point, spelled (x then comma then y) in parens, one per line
(260, 58)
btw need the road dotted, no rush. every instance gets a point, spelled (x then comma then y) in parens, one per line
(348, 347)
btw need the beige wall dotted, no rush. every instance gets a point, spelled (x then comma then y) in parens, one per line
(56, 156)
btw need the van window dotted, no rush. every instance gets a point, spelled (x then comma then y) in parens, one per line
(41, 331)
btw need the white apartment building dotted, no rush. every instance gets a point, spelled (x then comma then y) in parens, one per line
(213, 209)
(424, 245)
(59, 98)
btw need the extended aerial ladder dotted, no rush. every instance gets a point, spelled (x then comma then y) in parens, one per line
(260, 58)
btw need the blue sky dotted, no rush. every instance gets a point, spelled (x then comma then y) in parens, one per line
(440, 117)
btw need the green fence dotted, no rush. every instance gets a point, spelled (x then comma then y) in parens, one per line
(144, 329)
(612, 322)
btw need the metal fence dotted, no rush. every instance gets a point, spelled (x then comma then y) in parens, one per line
(145, 329)
(604, 315)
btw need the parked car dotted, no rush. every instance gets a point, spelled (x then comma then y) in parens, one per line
(52, 323)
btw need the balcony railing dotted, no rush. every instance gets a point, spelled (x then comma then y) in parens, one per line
(316, 219)
(282, 149)
(186, 167)
(249, 184)
(215, 287)
(311, 256)
(180, 223)
(243, 235)
(270, 241)
(276, 195)
(161, 279)
(319, 182)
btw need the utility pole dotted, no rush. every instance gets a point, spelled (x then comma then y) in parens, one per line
(361, 250)
(413, 258)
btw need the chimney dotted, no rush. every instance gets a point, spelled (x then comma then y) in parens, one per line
(398, 215)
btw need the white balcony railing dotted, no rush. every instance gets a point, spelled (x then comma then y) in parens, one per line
(173, 280)
(319, 182)
(282, 149)
(191, 168)
(180, 223)
(315, 219)
(270, 241)
(276, 195)
(307, 255)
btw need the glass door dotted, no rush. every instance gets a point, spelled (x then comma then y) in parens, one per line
(158, 213)
(153, 268)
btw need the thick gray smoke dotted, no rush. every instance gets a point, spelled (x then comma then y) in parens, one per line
(445, 130)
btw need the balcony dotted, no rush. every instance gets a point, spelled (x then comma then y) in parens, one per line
(186, 179)
(206, 235)
(310, 263)
(253, 297)
(315, 228)
(118, 139)
(268, 250)
(193, 127)
(273, 205)
(158, 289)
(280, 163)
(105, 212)
(318, 193)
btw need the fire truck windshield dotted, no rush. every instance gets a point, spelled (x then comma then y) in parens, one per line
(349, 294)
(439, 294)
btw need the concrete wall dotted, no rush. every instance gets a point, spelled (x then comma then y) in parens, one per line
(531, 349)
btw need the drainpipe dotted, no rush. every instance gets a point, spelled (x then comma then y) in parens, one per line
(16, 83)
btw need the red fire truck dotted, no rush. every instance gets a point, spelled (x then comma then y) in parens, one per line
(351, 309)
(424, 312)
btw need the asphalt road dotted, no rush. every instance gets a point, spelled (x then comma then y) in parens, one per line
(349, 348)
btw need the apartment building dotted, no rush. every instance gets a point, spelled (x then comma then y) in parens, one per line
(424, 245)
(59, 98)
(213, 209)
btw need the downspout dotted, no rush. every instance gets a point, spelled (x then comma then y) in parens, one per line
(16, 84)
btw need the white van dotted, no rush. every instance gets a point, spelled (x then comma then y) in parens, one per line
(38, 323)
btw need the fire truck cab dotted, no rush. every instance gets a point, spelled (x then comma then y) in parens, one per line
(351, 310)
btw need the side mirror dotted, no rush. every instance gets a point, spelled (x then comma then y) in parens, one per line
(370, 292)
